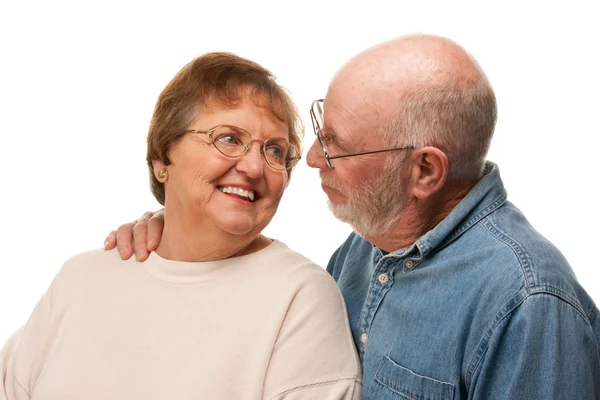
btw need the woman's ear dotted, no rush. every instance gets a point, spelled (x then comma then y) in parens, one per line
(430, 172)
(160, 171)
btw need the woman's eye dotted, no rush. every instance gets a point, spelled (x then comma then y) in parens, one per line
(275, 152)
(229, 139)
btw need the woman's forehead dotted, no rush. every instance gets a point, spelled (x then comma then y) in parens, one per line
(247, 115)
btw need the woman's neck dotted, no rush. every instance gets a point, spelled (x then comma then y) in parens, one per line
(186, 239)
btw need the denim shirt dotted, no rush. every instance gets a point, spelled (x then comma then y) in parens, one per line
(480, 307)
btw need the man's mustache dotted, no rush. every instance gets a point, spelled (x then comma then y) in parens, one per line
(330, 183)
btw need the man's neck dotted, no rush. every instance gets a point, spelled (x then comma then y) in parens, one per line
(418, 218)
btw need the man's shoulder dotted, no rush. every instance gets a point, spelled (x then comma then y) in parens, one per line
(540, 260)
(354, 247)
(515, 248)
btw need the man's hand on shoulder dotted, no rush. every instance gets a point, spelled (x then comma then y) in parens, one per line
(142, 236)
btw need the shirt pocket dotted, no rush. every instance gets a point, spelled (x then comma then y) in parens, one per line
(395, 382)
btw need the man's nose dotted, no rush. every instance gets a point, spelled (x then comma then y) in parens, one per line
(315, 157)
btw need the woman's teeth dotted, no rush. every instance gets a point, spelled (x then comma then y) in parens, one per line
(249, 194)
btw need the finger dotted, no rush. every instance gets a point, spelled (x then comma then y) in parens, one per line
(140, 231)
(110, 242)
(146, 217)
(155, 229)
(125, 240)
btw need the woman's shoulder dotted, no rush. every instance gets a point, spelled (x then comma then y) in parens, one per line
(280, 256)
(92, 258)
(81, 273)
(90, 265)
(292, 267)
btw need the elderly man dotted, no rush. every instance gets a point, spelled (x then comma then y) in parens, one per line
(451, 293)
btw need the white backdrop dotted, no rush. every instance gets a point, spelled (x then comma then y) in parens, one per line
(78, 82)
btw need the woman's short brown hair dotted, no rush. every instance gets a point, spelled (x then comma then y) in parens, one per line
(221, 78)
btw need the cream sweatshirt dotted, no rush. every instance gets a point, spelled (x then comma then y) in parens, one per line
(268, 325)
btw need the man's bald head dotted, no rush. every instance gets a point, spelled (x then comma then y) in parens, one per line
(422, 90)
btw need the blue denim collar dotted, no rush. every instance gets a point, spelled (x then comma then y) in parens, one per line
(486, 196)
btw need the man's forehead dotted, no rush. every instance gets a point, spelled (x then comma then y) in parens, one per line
(352, 127)
(350, 107)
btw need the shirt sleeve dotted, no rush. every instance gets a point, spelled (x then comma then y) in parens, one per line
(544, 349)
(314, 356)
(10, 389)
(22, 357)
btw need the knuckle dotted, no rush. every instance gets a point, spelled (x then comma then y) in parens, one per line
(139, 228)
(147, 215)
(125, 228)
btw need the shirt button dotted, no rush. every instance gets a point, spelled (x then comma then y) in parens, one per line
(364, 338)
(383, 278)
(409, 264)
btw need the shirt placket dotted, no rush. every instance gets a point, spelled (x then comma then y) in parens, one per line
(381, 282)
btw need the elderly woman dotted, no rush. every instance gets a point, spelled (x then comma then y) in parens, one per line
(219, 311)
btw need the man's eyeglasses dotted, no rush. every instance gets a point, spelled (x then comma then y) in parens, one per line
(234, 142)
(316, 115)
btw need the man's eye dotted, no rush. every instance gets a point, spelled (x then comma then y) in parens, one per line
(327, 138)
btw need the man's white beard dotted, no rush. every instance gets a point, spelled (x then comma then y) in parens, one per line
(374, 208)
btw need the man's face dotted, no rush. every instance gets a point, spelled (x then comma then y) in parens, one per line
(362, 190)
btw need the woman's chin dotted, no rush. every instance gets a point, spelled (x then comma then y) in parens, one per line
(239, 226)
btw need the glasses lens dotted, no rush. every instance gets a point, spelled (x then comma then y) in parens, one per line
(230, 140)
(280, 154)
(317, 114)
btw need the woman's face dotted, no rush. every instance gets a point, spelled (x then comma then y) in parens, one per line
(201, 183)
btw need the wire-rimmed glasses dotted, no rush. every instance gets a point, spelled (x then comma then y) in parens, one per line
(316, 115)
(234, 142)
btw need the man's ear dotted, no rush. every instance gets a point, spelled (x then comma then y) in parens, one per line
(160, 171)
(430, 172)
